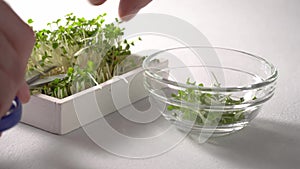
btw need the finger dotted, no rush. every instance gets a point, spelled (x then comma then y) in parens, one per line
(11, 74)
(10, 62)
(97, 2)
(128, 8)
(16, 42)
(7, 93)
(19, 34)
(24, 93)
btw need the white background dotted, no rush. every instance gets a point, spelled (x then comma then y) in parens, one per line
(268, 28)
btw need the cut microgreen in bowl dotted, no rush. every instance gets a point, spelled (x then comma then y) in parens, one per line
(87, 51)
(208, 99)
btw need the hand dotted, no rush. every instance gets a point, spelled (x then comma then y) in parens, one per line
(16, 43)
(127, 8)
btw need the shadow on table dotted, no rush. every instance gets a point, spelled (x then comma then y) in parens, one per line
(264, 144)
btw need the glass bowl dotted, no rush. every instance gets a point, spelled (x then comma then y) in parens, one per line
(209, 90)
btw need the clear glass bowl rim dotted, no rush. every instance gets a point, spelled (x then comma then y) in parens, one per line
(269, 80)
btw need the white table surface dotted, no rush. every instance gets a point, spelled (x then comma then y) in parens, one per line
(269, 28)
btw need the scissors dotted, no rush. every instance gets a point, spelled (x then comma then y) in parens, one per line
(13, 116)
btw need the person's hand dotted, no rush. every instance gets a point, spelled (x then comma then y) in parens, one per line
(127, 8)
(16, 43)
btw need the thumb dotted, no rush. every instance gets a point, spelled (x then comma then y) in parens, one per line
(24, 93)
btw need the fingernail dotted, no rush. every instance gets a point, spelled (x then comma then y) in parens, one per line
(97, 2)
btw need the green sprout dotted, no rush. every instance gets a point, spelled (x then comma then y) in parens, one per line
(206, 116)
(87, 51)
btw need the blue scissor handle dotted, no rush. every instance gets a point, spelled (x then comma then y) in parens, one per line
(13, 118)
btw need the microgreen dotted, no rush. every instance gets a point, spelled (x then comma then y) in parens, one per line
(206, 116)
(88, 51)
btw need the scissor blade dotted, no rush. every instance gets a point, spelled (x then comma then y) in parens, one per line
(37, 75)
(46, 80)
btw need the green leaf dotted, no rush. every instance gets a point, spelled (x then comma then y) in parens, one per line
(29, 21)
(54, 45)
